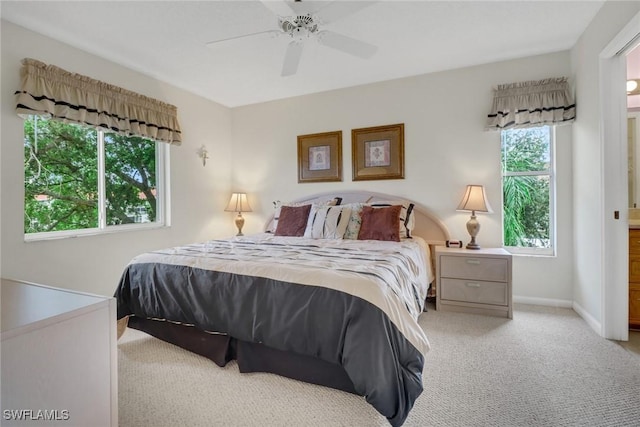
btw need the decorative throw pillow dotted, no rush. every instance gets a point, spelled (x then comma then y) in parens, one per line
(407, 216)
(353, 227)
(380, 223)
(293, 220)
(276, 215)
(327, 222)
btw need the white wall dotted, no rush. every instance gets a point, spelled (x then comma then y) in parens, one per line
(446, 148)
(94, 263)
(1, 192)
(588, 197)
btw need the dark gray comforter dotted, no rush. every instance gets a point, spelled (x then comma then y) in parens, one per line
(313, 319)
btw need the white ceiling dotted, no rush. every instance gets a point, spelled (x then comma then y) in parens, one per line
(167, 40)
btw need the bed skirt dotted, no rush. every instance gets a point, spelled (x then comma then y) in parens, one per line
(251, 357)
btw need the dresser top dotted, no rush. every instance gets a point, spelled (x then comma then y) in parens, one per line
(30, 305)
(472, 252)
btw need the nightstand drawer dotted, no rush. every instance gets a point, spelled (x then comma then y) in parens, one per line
(474, 291)
(475, 268)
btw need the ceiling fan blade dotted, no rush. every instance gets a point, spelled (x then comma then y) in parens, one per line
(292, 58)
(339, 9)
(347, 44)
(279, 7)
(231, 41)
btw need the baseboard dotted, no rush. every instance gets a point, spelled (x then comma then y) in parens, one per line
(561, 303)
(591, 321)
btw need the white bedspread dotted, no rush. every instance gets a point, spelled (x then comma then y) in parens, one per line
(393, 276)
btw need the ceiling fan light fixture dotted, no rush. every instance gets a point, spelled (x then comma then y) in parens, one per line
(298, 27)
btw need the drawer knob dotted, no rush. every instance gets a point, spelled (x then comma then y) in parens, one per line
(473, 261)
(473, 285)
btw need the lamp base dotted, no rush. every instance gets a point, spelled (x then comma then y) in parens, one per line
(473, 245)
(239, 223)
(473, 226)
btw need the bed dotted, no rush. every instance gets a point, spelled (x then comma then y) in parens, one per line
(331, 311)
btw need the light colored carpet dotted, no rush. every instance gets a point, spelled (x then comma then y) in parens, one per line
(545, 367)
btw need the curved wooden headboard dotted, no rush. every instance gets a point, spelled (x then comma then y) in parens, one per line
(428, 226)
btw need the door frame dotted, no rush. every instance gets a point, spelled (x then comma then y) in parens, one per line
(613, 132)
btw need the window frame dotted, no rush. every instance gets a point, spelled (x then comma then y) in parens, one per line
(551, 173)
(162, 199)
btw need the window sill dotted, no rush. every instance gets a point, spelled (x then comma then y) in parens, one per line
(72, 234)
(531, 252)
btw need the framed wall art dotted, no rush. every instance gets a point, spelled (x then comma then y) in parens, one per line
(378, 152)
(320, 157)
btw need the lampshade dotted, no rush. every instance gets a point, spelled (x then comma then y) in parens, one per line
(238, 203)
(475, 199)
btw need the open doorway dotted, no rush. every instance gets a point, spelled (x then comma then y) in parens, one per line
(615, 251)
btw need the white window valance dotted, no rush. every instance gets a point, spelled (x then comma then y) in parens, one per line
(532, 103)
(53, 92)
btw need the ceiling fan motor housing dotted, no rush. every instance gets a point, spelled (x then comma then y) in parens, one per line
(299, 27)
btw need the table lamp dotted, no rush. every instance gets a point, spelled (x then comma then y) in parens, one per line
(239, 204)
(474, 199)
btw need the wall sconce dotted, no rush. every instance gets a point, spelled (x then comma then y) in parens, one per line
(474, 199)
(203, 154)
(633, 87)
(239, 204)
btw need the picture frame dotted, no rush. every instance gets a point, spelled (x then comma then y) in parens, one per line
(378, 152)
(320, 157)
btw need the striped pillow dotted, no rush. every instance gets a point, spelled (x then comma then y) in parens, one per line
(327, 222)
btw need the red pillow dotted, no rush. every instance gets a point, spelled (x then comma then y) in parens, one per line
(380, 223)
(293, 220)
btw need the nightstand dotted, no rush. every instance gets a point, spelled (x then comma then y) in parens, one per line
(474, 281)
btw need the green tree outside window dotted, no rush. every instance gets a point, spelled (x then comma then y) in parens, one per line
(526, 185)
(61, 177)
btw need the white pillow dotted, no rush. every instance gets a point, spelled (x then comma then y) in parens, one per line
(327, 222)
(278, 205)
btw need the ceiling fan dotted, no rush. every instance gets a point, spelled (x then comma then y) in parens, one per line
(297, 22)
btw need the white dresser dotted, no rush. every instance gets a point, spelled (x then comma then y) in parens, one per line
(474, 281)
(59, 357)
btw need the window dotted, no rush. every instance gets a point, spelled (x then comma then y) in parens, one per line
(79, 180)
(528, 187)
